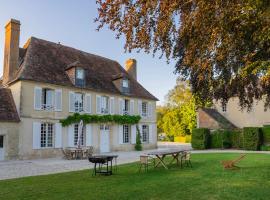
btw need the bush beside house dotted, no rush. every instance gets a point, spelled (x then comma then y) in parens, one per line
(249, 138)
(200, 138)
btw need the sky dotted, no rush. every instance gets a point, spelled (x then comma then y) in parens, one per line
(72, 24)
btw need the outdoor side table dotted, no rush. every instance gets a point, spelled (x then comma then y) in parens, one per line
(101, 161)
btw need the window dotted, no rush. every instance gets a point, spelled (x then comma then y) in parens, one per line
(144, 109)
(47, 99)
(104, 105)
(76, 135)
(80, 77)
(145, 133)
(126, 133)
(46, 139)
(126, 107)
(78, 102)
(125, 86)
(224, 107)
(1, 141)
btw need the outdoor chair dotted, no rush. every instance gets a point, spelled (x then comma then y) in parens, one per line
(145, 161)
(89, 152)
(230, 164)
(185, 159)
(67, 154)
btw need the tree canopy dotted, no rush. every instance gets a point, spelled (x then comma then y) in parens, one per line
(221, 46)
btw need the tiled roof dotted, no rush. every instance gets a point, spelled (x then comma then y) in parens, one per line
(46, 62)
(8, 111)
(223, 122)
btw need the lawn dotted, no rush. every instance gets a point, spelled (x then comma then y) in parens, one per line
(206, 180)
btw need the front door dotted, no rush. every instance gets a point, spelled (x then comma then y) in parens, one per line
(2, 151)
(104, 138)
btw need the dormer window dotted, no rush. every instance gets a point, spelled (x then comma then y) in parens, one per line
(125, 85)
(80, 77)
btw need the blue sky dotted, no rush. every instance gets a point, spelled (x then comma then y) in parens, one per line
(72, 23)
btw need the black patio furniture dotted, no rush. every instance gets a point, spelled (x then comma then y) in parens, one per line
(103, 164)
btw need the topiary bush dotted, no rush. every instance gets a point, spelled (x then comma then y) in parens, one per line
(266, 135)
(237, 138)
(200, 138)
(221, 139)
(265, 148)
(252, 138)
(138, 145)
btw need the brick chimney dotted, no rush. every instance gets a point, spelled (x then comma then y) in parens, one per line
(11, 51)
(131, 68)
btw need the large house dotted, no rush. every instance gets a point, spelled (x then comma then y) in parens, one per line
(44, 82)
(231, 116)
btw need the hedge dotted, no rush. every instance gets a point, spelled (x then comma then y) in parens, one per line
(266, 135)
(200, 138)
(221, 139)
(252, 138)
(237, 139)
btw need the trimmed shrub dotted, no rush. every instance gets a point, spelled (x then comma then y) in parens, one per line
(252, 138)
(265, 148)
(221, 139)
(200, 138)
(216, 139)
(237, 139)
(266, 135)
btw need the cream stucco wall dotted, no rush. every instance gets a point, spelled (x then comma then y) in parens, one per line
(256, 117)
(11, 139)
(23, 93)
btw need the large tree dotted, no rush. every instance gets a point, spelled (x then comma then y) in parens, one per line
(221, 46)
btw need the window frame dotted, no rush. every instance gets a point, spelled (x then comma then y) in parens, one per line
(79, 81)
(144, 114)
(47, 135)
(145, 135)
(224, 108)
(44, 98)
(76, 135)
(78, 106)
(104, 110)
(126, 134)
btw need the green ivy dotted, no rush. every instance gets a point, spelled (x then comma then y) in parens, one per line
(87, 119)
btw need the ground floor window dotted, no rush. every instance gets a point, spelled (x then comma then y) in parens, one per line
(145, 133)
(46, 139)
(76, 135)
(126, 134)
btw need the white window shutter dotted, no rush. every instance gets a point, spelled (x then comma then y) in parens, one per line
(36, 135)
(150, 109)
(120, 135)
(58, 135)
(88, 103)
(133, 134)
(151, 133)
(131, 107)
(140, 107)
(71, 102)
(121, 107)
(98, 104)
(71, 135)
(58, 100)
(111, 105)
(37, 98)
(89, 135)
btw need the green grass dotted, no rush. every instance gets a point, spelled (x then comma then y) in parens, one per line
(206, 180)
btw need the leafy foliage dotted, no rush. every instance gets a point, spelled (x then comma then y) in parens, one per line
(221, 139)
(200, 138)
(252, 138)
(266, 135)
(222, 47)
(119, 119)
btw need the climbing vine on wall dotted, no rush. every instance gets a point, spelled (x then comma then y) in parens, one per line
(87, 119)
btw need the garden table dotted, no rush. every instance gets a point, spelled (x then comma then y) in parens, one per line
(160, 155)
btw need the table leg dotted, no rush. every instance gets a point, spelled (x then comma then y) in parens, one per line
(160, 161)
(175, 157)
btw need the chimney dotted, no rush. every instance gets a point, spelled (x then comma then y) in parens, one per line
(131, 68)
(11, 51)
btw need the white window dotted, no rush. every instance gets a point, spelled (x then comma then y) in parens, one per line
(145, 133)
(47, 99)
(126, 134)
(125, 83)
(104, 105)
(78, 102)
(80, 77)
(144, 109)
(46, 137)
(76, 135)
(126, 107)
(224, 107)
